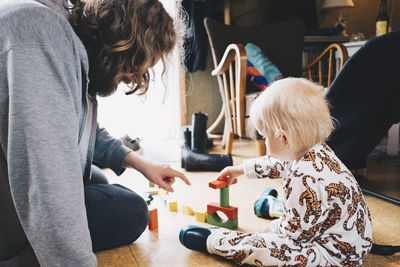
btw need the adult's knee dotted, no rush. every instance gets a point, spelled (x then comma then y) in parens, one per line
(116, 215)
(137, 214)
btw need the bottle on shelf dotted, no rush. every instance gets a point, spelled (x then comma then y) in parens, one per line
(382, 21)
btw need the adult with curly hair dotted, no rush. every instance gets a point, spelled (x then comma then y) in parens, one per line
(54, 60)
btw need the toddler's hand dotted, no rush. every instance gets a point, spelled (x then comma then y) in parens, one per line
(230, 173)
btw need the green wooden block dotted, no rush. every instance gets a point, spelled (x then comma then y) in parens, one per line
(214, 219)
(151, 184)
(224, 197)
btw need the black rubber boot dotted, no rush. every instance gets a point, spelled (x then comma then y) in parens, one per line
(199, 136)
(187, 138)
(192, 161)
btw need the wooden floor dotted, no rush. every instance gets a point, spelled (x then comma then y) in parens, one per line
(162, 248)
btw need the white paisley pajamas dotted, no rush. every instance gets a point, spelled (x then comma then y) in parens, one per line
(326, 222)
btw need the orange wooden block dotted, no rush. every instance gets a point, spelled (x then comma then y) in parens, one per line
(230, 212)
(220, 183)
(153, 219)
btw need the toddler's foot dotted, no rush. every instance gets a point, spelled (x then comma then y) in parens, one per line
(268, 206)
(194, 237)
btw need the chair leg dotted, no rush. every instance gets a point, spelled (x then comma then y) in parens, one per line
(229, 143)
(261, 149)
(217, 121)
(225, 134)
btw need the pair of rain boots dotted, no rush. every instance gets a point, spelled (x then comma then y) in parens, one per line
(194, 156)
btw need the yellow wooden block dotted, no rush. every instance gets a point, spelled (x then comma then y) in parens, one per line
(201, 216)
(187, 210)
(173, 206)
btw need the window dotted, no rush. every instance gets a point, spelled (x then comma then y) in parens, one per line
(155, 116)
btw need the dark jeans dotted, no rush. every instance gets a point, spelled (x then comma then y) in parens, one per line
(116, 216)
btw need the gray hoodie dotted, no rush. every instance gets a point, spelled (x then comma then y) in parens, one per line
(48, 133)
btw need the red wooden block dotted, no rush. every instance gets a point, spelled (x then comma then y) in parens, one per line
(226, 180)
(153, 219)
(220, 183)
(217, 184)
(230, 212)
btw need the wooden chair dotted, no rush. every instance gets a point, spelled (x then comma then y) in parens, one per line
(282, 43)
(324, 67)
(233, 92)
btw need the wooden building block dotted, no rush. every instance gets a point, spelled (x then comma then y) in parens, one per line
(148, 198)
(152, 190)
(187, 210)
(214, 219)
(162, 191)
(220, 183)
(217, 184)
(173, 206)
(224, 196)
(170, 202)
(201, 216)
(153, 219)
(230, 212)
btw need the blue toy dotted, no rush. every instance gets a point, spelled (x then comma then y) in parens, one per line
(268, 206)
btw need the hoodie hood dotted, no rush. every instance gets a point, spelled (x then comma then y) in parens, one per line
(56, 5)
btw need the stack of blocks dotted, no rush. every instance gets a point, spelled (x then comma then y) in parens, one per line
(211, 215)
(230, 211)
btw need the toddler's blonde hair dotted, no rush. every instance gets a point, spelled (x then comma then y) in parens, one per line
(296, 106)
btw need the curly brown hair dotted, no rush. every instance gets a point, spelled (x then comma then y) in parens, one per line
(123, 39)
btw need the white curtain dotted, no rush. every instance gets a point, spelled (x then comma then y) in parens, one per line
(153, 117)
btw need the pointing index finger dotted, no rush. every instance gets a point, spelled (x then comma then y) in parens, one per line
(181, 176)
